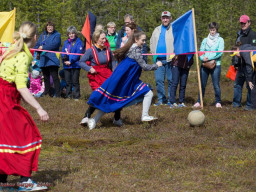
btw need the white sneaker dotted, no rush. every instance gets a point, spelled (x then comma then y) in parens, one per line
(91, 123)
(174, 105)
(197, 105)
(118, 122)
(84, 121)
(148, 118)
(218, 105)
(31, 185)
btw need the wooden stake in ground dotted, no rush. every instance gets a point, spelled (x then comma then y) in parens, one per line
(197, 62)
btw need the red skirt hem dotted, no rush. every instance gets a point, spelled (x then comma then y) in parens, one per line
(20, 140)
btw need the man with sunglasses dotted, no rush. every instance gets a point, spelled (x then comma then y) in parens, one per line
(246, 36)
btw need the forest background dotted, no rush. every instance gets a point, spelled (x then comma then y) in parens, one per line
(146, 13)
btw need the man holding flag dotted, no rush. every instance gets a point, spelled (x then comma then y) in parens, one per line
(161, 41)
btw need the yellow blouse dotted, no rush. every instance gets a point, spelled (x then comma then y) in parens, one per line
(15, 69)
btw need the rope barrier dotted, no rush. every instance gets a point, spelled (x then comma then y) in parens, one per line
(190, 53)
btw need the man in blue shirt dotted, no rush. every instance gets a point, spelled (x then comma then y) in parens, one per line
(161, 41)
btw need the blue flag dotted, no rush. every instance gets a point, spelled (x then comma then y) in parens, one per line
(183, 33)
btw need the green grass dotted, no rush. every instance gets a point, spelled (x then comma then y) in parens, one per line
(167, 155)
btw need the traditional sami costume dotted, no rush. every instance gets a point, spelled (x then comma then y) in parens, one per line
(20, 140)
(102, 70)
(121, 88)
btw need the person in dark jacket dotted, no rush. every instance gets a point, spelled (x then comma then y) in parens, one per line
(180, 69)
(129, 19)
(248, 68)
(71, 63)
(246, 36)
(49, 62)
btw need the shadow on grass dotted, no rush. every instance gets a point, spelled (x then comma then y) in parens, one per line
(190, 100)
(226, 102)
(51, 176)
(107, 123)
(128, 123)
(47, 178)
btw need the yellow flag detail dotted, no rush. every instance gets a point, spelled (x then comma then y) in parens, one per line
(58, 55)
(252, 60)
(171, 56)
(234, 54)
(7, 25)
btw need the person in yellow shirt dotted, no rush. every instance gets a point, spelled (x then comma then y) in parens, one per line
(20, 140)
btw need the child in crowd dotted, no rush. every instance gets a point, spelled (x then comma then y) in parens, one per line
(36, 87)
(36, 84)
(63, 84)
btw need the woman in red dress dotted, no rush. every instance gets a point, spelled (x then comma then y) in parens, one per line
(97, 61)
(20, 140)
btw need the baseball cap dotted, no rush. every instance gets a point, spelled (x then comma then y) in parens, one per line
(166, 13)
(244, 19)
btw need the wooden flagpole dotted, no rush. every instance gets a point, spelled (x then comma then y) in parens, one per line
(197, 61)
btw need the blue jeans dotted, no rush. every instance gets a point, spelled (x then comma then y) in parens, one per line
(160, 74)
(215, 74)
(238, 88)
(179, 75)
(253, 92)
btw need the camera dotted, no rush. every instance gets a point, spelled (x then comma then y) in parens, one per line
(65, 58)
(38, 55)
(236, 61)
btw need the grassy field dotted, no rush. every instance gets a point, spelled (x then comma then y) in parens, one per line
(167, 155)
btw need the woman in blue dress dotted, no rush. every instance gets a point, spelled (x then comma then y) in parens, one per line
(124, 87)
